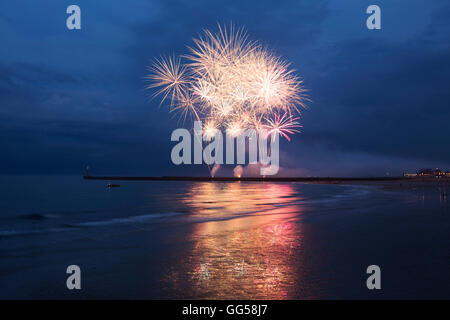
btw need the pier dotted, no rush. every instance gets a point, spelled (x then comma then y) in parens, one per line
(252, 179)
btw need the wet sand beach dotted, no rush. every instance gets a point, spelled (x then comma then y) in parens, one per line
(223, 240)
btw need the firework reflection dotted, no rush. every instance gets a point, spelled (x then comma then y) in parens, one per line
(246, 246)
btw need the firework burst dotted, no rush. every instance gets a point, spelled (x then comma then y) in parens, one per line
(169, 76)
(282, 125)
(233, 83)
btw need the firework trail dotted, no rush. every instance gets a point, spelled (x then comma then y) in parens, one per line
(232, 83)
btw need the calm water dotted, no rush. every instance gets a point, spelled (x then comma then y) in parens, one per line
(220, 240)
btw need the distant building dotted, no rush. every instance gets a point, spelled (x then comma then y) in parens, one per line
(428, 173)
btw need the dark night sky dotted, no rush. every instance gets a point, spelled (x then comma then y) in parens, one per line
(380, 98)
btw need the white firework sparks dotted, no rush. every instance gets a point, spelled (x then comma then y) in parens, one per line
(230, 82)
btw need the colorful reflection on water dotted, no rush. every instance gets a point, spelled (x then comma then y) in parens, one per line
(246, 245)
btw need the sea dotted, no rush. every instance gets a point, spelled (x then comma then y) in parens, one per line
(221, 240)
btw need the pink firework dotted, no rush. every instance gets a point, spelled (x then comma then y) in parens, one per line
(283, 125)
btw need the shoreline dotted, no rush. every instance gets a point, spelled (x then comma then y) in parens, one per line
(386, 183)
(331, 180)
(253, 179)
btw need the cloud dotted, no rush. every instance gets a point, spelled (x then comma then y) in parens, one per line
(387, 99)
(379, 100)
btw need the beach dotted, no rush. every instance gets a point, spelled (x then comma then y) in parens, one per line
(223, 240)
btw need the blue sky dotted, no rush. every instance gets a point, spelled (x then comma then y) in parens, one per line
(380, 98)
